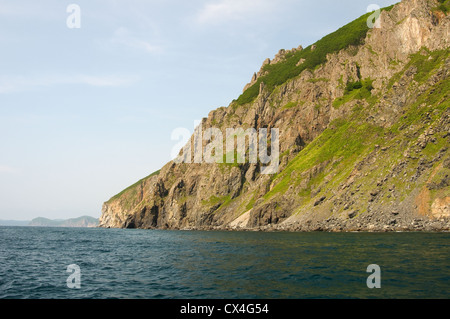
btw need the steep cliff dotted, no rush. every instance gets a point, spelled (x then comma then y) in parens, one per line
(83, 221)
(363, 119)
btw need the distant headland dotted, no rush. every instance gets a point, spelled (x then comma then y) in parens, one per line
(83, 221)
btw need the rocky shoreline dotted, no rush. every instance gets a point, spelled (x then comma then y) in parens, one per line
(336, 225)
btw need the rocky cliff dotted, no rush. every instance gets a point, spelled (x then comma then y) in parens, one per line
(363, 119)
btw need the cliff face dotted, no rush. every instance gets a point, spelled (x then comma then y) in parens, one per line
(364, 140)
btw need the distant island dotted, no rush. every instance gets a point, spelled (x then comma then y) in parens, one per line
(363, 116)
(83, 221)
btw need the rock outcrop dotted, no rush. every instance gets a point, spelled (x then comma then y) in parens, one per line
(364, 143)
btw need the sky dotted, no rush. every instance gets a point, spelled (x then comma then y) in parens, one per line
(88, 102)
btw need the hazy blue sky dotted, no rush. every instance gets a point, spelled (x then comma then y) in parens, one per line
(86, 112)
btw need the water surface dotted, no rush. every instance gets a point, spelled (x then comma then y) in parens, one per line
(117, 263)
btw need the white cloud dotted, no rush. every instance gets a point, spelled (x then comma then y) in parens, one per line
(232, 10)
(123, 37)
(11, 84)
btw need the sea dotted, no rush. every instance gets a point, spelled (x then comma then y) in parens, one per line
(97, 263)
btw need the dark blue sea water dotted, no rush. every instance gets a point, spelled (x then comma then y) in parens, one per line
(116, 263)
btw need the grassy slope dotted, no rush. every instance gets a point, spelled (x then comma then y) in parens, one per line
(350, 34)
(444, 6)
(132, 187)
(346, 142)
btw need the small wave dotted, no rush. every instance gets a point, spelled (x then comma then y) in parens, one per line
(115, 264)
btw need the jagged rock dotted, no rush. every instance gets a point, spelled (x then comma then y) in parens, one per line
(320, 201)
(300, 62)
(261, 87)
(352, 214)
(279, 56)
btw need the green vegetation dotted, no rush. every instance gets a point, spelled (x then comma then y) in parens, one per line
(293, 104)
(444, 6)
(250, 204)
(238, 158)
(371, 50)
(318, 80)
(426, 63)
(353, 86)
(348, 141)
(358, 90)
(218, 201)
(427, 108)
(440, 179)
(352, 146)
(289, 105)
(133, 187)
(344, 141)
(213, 200)
(433, 148)
(419, 112)
(277, 74)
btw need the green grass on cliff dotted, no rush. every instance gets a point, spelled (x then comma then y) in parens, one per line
(278, 73)
(358, 90)
(444, 6)
(214, 200)
(347, 141)
(133, 186)
(341, 144)
(426, 63)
